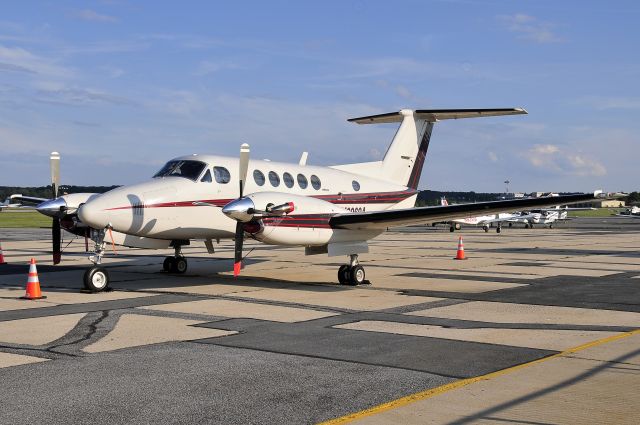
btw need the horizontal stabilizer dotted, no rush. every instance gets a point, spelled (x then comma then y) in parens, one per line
(433, 115)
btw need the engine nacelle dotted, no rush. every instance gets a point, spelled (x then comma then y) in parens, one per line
(307, 224)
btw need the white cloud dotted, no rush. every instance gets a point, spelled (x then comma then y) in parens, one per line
(21, 60)
(60, 94)
(92, 15)
(493, 157)
(210, 67)
(602, 103)
(530, 28)
(563, 161)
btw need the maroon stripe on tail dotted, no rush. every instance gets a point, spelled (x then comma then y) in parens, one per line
(414, 178)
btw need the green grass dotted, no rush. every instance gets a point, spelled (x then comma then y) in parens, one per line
(23, 219)
(599, 212)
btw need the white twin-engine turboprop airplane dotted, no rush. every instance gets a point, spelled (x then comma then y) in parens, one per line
(333, 210)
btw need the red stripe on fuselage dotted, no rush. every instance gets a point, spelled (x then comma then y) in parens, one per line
(364, 198)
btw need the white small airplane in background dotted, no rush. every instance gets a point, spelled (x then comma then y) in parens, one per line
(17, 202)
(331, 210)
(633, 212)
(487, 221)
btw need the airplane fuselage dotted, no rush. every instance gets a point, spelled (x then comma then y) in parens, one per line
(186, 204)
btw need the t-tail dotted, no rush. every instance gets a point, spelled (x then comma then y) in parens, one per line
(403, 162)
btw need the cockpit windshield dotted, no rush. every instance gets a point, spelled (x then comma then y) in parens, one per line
(182, 168)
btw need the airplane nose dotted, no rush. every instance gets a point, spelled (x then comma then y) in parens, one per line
(53, 207)
(93, 215)
(240, 209)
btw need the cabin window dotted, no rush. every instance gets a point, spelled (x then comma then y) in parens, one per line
(222, 175)
(355, 185)
(302, 181)
(315, 182)
(207, 177)
(274, 179)
(188, 169)
(288, 180)
(258, 177)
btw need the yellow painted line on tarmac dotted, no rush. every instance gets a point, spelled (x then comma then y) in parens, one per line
(422, 395)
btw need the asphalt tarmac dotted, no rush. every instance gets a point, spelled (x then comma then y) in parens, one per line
(286, 344)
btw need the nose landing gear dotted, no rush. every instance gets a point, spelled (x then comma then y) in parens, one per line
(353, 273)
(96, 278)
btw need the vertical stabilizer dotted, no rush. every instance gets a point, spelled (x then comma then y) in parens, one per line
(402, 164)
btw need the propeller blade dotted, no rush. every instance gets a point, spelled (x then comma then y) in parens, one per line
(244, 166)
(237, 258)
(54, 161)
(55, 239)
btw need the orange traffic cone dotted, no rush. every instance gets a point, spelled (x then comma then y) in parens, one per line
(2, 255)
(460, 253)
(33, 284)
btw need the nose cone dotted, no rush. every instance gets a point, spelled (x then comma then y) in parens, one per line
(93, 215)
(241, 209)
(53, 207)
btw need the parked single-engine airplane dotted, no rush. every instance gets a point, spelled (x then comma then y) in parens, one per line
(333, 210)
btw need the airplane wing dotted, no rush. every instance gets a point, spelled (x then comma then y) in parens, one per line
(403, 217)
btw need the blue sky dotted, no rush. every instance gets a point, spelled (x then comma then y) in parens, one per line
(119, 87)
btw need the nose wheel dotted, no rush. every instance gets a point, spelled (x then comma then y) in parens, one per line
(352, 274)
(96, 279)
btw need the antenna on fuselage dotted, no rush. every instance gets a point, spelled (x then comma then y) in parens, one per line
(303, 158)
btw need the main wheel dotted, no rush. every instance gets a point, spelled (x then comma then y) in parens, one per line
(167, 264)
(550, 225)
(510, 224)
(498, 229)
(356, 275)
(526, 225)
(96, 279)
(485, 228)
(451, 229)
(179, 265)
(343, 274)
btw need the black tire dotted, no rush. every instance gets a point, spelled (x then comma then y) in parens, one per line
(550, 225)
(498, 229)
(357, 275)
(167, 265)
(179, 265)
(96, 279)
(526, 225)
(510, 224)
(486, 229)
(451, 229)
(343, 274)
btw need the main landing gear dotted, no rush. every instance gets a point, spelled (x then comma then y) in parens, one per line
(352, 273)
(177, 263)
(96, 279)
